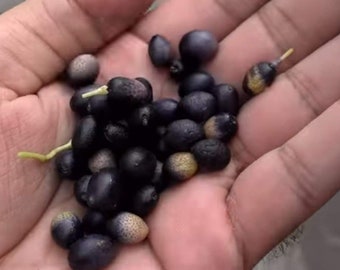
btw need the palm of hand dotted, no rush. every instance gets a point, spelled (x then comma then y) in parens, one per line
(225, 220)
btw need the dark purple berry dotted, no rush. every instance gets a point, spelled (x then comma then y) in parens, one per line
(104, 191)
(144, 201)
(137, 165)
(198, 81)
(211, 155)
(227, 98)
(197, 106)
(92, 252)
(66, 229)
(80, 189)
(160, 51)
(198, 47)
(85, 135)
(182, 134)
(165, 110)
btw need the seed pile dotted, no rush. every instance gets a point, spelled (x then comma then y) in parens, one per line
(127, 148)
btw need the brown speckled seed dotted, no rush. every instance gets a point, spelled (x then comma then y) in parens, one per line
(222, 126)
(128, 228)
(180, 167)
(83, 70)
(102, 159)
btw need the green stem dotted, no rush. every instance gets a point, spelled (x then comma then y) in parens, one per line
(50, 155)
(100, 91)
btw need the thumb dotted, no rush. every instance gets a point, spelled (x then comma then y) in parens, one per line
(38, 37)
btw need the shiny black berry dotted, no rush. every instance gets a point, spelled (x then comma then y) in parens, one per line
(66, 228)
(117, 136)
(182, 134)
(227, 98)
(85, 135)
(92, 252)
(80, 189)
(126, 94)
(198, 47)
(197, 106)
(198, 81)
(69, 166)
(137, 165)
(165, 110)
(211, 155)
(104, 191)
(160, 51)
(144, 201)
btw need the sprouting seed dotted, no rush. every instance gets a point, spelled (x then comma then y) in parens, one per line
(262, 75)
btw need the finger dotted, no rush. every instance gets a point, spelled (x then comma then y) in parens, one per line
(39, 37)
(30, 123)
(286, 186)
(176, 17)
(295, 99)
(279, 25)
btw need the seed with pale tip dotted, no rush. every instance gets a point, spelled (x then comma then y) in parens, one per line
(127, 228)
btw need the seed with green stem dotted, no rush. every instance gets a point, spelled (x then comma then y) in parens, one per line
(262, 75)
(100, 91)
(47, 157)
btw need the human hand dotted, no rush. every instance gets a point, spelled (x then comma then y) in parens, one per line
(285, 155)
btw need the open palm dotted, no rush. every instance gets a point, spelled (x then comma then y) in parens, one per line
(285, 162)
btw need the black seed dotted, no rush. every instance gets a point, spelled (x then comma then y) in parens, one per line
(147, 84)
(69, 166)
(227, 98)
(66, 229)
(142, 119)
(165, 110)
(198, 47)
(160, 51)
(182, 134)
(117, 136)
(93, 252)
(198, 81)
(211, 155)
(104, 191)
(144, 201)
(79, 104)
(177, 70)
(94, 222)
(102, 159)
(162, 150)
(99, 107)
(197, 106)
(126, 94)
(80, 189)
(222, 126)
(259, 77)
(179, 167)
(85, 135)
(83, 70)
(138, 166)
(157, 180)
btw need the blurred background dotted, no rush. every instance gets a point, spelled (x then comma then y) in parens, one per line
(313, 246)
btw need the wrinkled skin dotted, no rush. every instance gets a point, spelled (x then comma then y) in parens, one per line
(285, 155)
